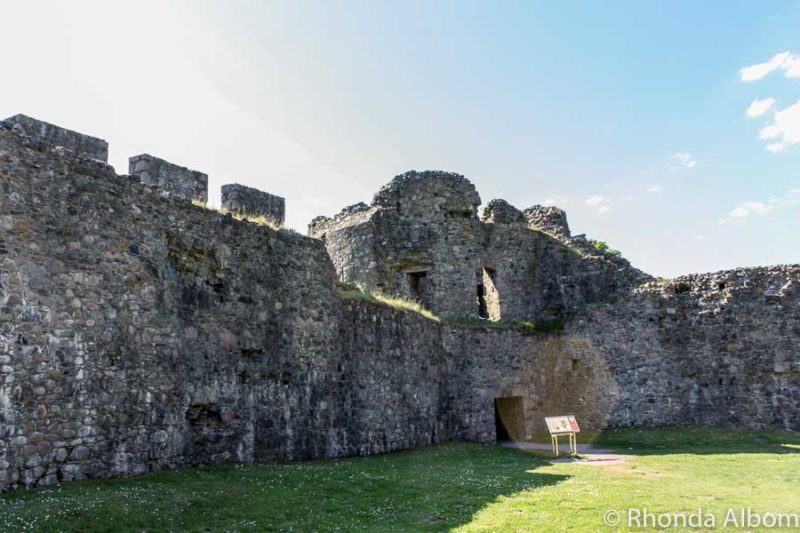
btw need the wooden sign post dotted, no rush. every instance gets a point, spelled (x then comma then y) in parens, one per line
(563, 425)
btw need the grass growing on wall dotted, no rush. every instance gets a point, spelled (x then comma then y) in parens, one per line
(351, 291)
(259, 220)
(467, 487)
(355, 292)
(526, 326)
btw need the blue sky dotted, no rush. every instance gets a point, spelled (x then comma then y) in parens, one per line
(632, 116)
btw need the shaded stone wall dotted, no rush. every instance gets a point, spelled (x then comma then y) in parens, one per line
(82, 145)
(249, 201)
(139, 332)
(169, 179)
(707, 349)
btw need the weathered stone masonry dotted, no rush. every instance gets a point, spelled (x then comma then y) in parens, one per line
(248, 201)
(139, 332)
(421, 238)
(169, 179)
(80, 144)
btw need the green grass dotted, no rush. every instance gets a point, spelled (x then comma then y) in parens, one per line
(349, 291)
(467, 487)
(604, 247)
(259, 220)
(526, 326)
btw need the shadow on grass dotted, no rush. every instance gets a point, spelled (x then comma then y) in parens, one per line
(428, 489)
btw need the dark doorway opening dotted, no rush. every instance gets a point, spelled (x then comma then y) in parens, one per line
(508, 419)
(418, 286)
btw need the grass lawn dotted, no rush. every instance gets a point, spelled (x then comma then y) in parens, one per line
(468, 487)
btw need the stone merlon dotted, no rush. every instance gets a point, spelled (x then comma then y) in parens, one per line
(82, 145)
(550, 219)
(168, 178)
(501, 212)
(249, 201)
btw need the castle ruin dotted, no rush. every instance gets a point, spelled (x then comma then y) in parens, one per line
(139, 331)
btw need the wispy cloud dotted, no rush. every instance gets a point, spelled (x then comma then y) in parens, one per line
(595, 200)
(760, 107)
(681, 160)
(746, 209)
(655, 189)
(601, 203)
(555, 201)
(763, 208)
(785, 61)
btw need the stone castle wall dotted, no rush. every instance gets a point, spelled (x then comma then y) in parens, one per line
(139, 332)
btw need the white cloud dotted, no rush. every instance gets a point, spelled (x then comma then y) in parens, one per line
(753, 207)
(602, 203)
(776, 147)
(760, 107)
(627, 198)
(785, 61)
(748, 208)
(785, 128)
(682, 160)
(555, 200)
(595, 200)
(792, 67)
(699, 237)
(655, 188)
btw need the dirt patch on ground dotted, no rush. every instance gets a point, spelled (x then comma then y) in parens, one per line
(587, 454)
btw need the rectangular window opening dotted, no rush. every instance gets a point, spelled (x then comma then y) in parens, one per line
(418, 286)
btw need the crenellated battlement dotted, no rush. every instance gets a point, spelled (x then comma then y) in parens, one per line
(164, 177)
